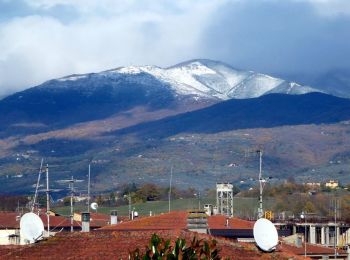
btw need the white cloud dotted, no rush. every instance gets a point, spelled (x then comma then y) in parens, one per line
(330, 7)
(39, 47)
(52, 38)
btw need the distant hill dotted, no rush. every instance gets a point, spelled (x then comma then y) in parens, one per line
(81, 98)
(132, 123)
(268, 111)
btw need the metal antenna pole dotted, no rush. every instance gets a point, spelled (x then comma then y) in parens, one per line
(71, 205)
(37, 184)
(335, 228)
(260, 211)
(171, 178)
(305, 238)
(88, 206)
(47, 200)
(129, 197)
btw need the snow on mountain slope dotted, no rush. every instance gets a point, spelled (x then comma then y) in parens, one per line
(199, 78)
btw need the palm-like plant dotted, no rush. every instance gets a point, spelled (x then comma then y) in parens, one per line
(160, 249)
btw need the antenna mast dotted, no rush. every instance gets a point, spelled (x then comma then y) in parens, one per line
(37, 184)
(261, 184)
(171, 178)
(88, 204)
(47, 200)
(71, 203)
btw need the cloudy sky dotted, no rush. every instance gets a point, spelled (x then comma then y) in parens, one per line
(45, 39)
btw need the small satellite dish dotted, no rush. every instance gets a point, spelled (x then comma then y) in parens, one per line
(31, 227)
(94, 206)
(265, 235)
(136, 214)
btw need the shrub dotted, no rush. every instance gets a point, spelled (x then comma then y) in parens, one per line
(159, 249)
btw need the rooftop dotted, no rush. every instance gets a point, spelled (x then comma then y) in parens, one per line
(109, 244)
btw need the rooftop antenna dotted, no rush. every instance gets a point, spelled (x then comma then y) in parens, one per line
(88, 204)
(71, 187)
(47, 200)
(262, 183)
(171, 178)
(71, 204)
(37, 185)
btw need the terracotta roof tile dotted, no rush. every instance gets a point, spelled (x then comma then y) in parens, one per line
(310, 249)
(219, 222)
(110, 244)
(172, 220)
(9, 220)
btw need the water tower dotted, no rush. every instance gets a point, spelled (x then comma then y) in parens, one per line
(224, 199)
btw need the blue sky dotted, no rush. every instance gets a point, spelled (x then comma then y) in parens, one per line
(44, 39)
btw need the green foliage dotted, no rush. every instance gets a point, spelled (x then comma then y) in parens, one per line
(148, 192)
(159, 249)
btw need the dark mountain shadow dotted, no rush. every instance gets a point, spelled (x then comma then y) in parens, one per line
(264, 112)
(60, 103)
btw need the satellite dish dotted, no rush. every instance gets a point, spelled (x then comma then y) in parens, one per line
(31, 226)
(265, 235)
(136, 214)
(94, 206)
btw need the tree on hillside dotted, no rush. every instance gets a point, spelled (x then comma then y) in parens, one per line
(148, 192)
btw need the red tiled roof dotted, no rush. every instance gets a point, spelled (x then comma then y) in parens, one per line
(58, 222)
(9, 220)
(172, 220)
(310, 249)
(219, 222)
(110, 244)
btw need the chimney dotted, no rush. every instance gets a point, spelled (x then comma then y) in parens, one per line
(85, 222)
(114, 217)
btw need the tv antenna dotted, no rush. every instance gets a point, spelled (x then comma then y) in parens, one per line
(72, 190)
(31, 227)
(88, 202)
(262, 183)
(37, 185)
(265, 235)
(47, 200)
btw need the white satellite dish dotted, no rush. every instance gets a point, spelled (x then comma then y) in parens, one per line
(94, 206)
(136, 214)
(265, 235)
(31, 226)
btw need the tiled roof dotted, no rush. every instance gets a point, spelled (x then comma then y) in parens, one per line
(310, 249)
(219, 222)
(172, 220)
(58, 222)
(110, 244)
(8, 220)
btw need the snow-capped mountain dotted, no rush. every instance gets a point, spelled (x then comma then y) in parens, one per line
(181, 88)
(198, 78)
